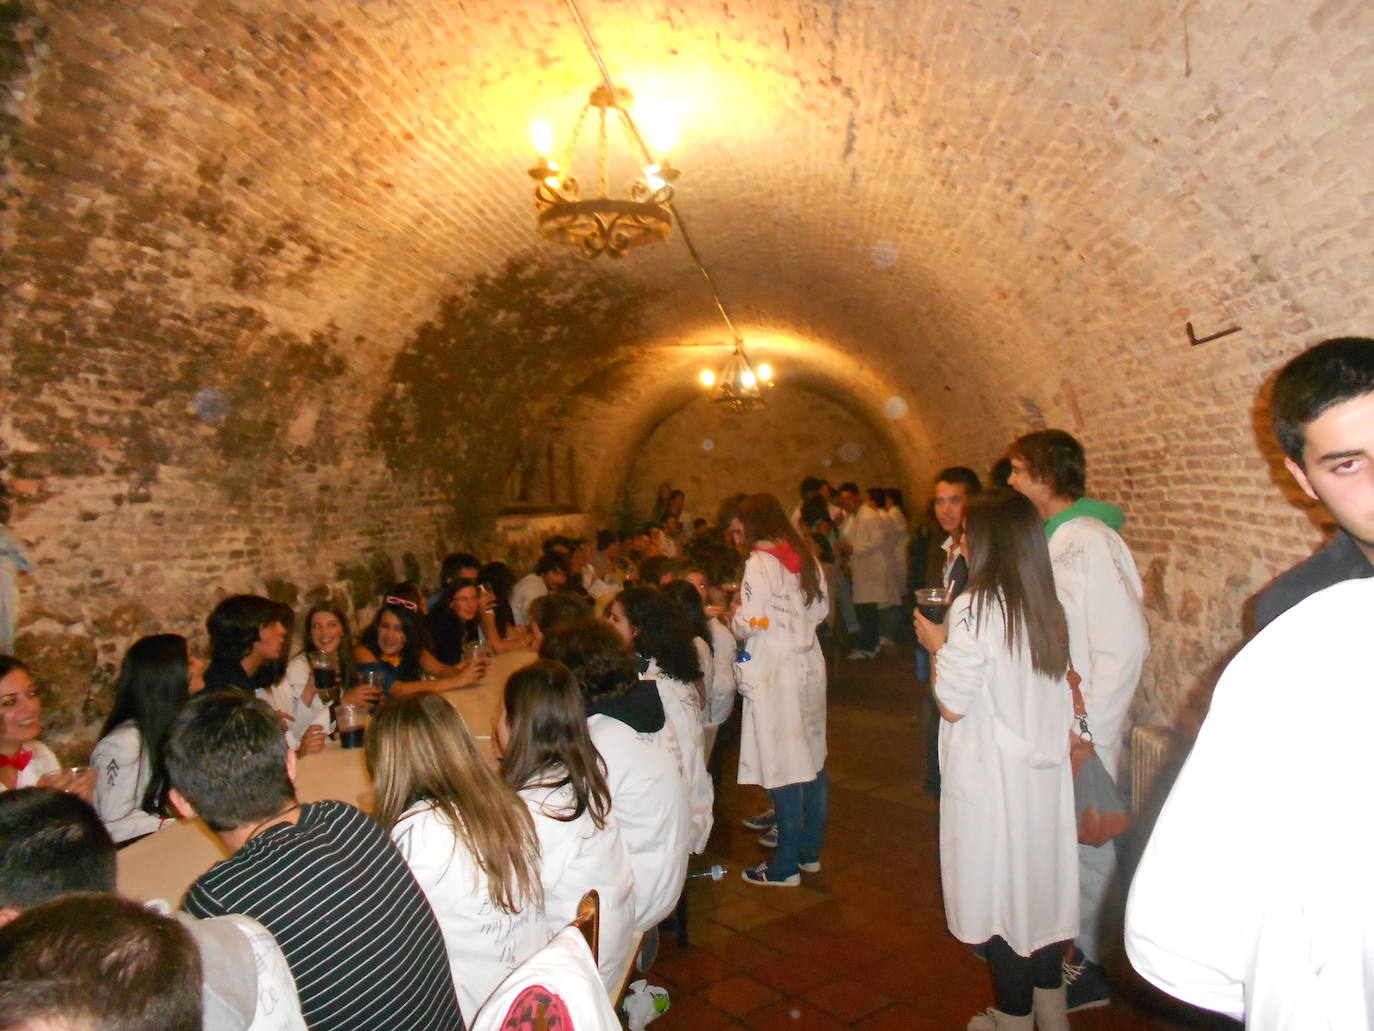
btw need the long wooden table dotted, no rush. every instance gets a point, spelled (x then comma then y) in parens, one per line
(165, 864)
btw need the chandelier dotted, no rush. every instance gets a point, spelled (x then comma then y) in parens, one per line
(602, 224)
(738, 384)
(609, 225)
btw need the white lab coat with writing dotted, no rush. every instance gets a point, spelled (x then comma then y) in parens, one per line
(782, 734)
(484, 943)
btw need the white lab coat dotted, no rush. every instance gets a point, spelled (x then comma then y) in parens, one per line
(526, 589)
(682, 707)
(1097, 583)
(649, 800)
(43, 761)
(865, 530)
(122, 771)
(1253, 896)
(721, 683)
(575, 857)
(896, 534)
(1008, 833)
(563, 968)
(484, 943)
(782, 734)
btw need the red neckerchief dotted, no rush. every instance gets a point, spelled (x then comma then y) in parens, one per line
(783, 552)
(18, 760)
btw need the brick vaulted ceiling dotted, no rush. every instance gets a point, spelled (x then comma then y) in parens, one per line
(962, 203)
(1001, 214)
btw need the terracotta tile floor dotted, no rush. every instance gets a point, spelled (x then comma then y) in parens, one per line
(862, 944)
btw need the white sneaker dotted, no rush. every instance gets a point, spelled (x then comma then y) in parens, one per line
(769, 838)
(858, 654)
(812, 867)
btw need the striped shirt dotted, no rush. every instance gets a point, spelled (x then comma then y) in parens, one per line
(361, 940)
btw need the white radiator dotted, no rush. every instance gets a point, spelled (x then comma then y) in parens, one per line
(1152, 748)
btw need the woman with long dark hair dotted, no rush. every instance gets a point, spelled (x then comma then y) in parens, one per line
(782, 680)
(394, 644)
(467, 837)
(715, 648)
(297, 695)
(626, 724)
(25, 761)
(548, 757)
(661, 638)
(131, 784)
(1008, 840)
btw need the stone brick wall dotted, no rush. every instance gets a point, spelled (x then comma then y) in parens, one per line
(272, 318)
(710, 453)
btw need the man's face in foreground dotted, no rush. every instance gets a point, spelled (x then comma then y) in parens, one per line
(1338, 466)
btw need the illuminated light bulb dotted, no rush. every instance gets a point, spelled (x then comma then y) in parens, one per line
(541, 134)
(651, 177)
(765, 372)
(660, 125)
(747, 378)
(708, 378)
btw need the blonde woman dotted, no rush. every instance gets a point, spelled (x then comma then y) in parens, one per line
(468, 838)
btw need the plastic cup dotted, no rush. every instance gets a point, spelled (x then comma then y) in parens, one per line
(351, 722)
(933, 602)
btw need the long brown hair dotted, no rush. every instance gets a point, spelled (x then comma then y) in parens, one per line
(418, 749)
(548, 744)
(764, 520)
(1011, 567)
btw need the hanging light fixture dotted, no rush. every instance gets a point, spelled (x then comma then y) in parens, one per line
(608, 225)
(603, 224)
(738, 384)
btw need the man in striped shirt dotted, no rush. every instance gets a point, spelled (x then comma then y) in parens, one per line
(361, 941)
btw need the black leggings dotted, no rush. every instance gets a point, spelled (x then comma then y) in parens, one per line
(1015, 978)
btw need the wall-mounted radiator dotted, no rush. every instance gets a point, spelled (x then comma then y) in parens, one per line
(1152, 749)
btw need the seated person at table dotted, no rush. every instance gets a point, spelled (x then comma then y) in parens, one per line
(467, 838)
(715, 646)
(296, 695)
(394, 645)
(551, 573)
(548, 757)
(456, 621)
(498, 577)
(457, 565)
(644, 771)
(98, 963)
(155, 677)
(247, 637)
(661, 639)
(323, 878)
(24, 760)
(549, 610)
(52, 844)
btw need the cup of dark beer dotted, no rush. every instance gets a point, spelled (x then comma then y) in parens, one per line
(350, 721)
(326, 677)
(933, 602)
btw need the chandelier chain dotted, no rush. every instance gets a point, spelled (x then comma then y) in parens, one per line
(648, 157)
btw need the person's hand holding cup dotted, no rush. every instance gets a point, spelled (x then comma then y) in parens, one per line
(313, 741)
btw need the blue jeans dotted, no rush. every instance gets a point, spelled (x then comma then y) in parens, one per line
(802, 811)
